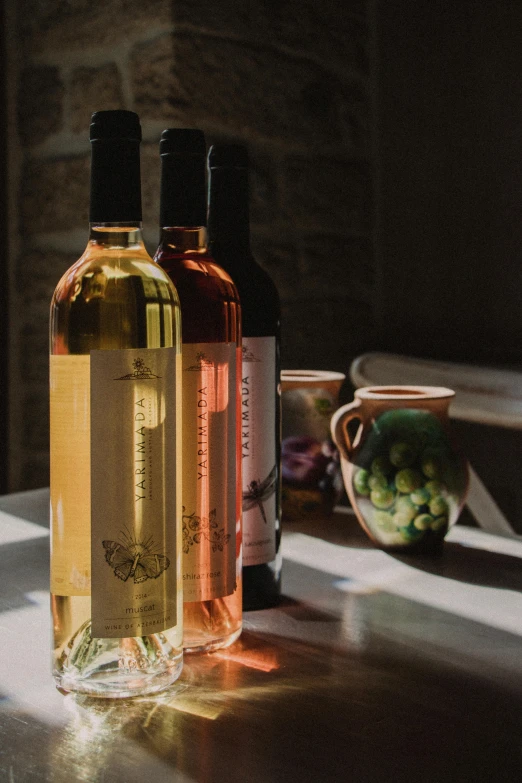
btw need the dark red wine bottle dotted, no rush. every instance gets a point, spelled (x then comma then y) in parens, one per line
(229, 242)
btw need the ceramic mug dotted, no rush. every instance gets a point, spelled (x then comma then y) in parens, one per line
(405, 477)
(311, 476)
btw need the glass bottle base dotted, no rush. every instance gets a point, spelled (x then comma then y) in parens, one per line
(110, 668)
(200, 645)
(213, 624)
(262, 585)
(115, 685)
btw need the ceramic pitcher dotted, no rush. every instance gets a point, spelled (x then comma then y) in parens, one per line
(405, 477)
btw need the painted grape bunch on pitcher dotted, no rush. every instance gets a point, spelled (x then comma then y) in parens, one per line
(408, 481)
(197, 529)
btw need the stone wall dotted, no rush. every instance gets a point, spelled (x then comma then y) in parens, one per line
(290, 79)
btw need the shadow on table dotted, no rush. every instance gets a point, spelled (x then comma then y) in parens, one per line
(304, 612)
(340, 528)
(470, 564)
(24, 570)
(311, 717)
(463, 563)
(32, 506)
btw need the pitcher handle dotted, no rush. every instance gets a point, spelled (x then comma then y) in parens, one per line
(339, 426)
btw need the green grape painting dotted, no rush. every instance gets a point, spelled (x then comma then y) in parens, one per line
(405, 479)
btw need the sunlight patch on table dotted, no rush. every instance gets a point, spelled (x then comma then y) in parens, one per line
(26, 637)
(13, 529)
(373, 572)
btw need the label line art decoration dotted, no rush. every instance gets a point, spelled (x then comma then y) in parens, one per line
(134, 559)
(199, 529)
(258, 492)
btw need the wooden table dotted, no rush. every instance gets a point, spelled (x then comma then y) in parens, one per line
(374, 668)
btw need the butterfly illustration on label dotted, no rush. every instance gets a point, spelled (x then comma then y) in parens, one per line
(197, 529)
(136, 559)
(259, 491)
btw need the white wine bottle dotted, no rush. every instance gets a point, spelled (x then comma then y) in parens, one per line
(115, 404)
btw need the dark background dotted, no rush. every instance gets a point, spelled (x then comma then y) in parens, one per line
(449, 179)
(4, 321)
(386, 174)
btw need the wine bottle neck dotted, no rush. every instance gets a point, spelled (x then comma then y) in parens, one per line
(229, 214)
(183, 197)
(116, 235)
(115, 181)
(181, 240)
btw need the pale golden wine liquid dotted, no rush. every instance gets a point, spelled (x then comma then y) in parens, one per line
(114, 297)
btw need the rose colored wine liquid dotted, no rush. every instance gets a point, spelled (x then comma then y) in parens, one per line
(211, 325)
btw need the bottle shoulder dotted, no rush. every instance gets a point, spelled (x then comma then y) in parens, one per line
(114, 299)
(209, 300)
(259, 297)
(186, 263)
(248, 275)
(98, 268)
(191, 272)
